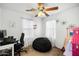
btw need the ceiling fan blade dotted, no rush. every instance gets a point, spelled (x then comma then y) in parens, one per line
(36, 15)
(51, 8)
(45, 13)
(31, 9)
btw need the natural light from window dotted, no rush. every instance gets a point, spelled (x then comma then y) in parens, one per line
(51, 29)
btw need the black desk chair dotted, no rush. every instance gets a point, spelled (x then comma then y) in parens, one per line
(18, 47)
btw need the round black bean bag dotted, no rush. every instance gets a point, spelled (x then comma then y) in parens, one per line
(42, 44)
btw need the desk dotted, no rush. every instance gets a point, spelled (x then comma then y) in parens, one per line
(7, 47)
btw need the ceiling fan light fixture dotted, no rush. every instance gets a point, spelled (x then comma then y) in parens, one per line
(41, 14)
(42, 10)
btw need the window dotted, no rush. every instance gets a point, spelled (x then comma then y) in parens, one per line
(28, 28)
(51, 29)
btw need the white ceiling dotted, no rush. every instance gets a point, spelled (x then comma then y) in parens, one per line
(21, 7)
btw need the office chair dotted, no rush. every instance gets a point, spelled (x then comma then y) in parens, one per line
(18, 47)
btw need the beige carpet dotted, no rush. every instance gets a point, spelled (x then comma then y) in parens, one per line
(32, 52)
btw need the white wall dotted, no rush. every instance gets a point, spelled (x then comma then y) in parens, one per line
(0, 17)
(11, 22)
(71, 16)
(9, 17)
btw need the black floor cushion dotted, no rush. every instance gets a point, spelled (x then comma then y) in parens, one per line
(42, 44)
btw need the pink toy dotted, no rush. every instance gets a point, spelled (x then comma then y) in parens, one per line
(75, 37)
(75, 42)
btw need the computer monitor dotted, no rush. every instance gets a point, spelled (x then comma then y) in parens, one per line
(3, 33)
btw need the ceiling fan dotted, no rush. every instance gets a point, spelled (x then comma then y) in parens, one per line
(42, 10)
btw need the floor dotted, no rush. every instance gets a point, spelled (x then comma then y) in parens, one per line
(31, 52)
